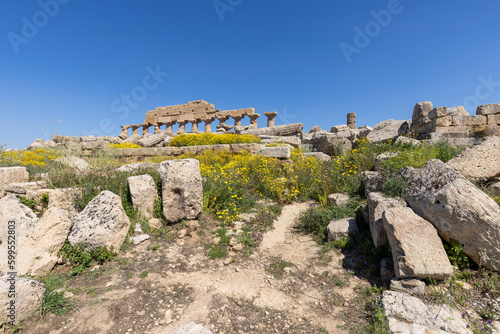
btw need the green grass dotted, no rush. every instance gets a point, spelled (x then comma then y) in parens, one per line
(82, 259)
(55, 302)
(277, 267)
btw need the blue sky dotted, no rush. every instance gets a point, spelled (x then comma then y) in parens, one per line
(76, 67)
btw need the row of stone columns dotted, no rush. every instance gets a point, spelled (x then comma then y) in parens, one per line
(208, 124)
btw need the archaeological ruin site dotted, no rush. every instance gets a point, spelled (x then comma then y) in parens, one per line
(191, 222)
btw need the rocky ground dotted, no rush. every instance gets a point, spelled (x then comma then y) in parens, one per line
(284, 287)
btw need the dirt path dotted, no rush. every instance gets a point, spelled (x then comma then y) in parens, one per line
(164, 289)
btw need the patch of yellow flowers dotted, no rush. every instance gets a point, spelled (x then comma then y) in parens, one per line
(38, 157)
(124, 145)
(211, 139)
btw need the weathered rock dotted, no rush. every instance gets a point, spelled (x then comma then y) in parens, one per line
(407, 140)
(103, 222)
(74, 162)
(152, 140)
(488, 109)
(58, 139)
(330, 143)
(39, 253)
(421, 110)
(338, 229)
(10, 175)
(29, 296)
(458, 210)
(182, 189)
(138, 166)
(480, 162)
(22, 222)
(279, 152)
(139, 239)
(279, 130)
(315, 128)
(372, 181)
(340, 128)
(134, 139)
(408, 286)
(319, 155)
(293, 141)
(417, 250)
(338, 199)
(407, 314)
(144, 194)
(191, 328)
(62, 198)
(386, 130)
(35, 146)
(23, 188)
(377, 204)
(379, 160)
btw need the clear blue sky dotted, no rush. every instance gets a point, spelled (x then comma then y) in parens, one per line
(65, 69)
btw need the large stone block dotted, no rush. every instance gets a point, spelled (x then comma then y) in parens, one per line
(421, 111)
(39, 253)
(182, 189)
(407, 314)
(479, 162)
(103, 222)
(493, 119)
(74, 162)
(276, 152)
(457, 209)
(386, 130)
(332, 144)
(340, 228)
(473, 120)
(372, 181)
(417, 250)
(319, 155)
(28, 300)
(377, 204)
(144, 194)
(10, 175)
(17, 217)
(488, 109)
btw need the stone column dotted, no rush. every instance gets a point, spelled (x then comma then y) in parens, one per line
(237, 120)
(182, 126)
(135, 129)
(222, 120)
(169, 126)
(157, 128)
(145, 128)
(208, 124)
(351, 120)
(270, 117)
(253, 121)
(124, 130)
(195, 122)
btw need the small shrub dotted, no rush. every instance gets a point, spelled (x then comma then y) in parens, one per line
(455, 254)
(217, 252)
(143, 274)
(277, 267)
(82, 258)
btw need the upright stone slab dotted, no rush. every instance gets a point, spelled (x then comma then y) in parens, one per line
(144, 194)
(457, 209)
(39, 254)
(103, 222)
(417, 250)
(377, 204)
(182, 189)
(386, 130)
(10, 175)
(20, 219)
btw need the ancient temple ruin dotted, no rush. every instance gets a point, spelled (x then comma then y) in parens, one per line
(194, 112)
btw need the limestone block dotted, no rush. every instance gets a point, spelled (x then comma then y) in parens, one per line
(494, 119)
(315, 128)
(74, 162)
(338, 199)
(457, 209)
(276, 152)
(408, 286)
(442, 121)
(23, 188)
(10, 175)
(417, 250)
(143, 192)
(182, 189)
(386, 130)
(377, 204)
(332, 144)
(103, 222)
(421, 111)
(338, 229)
(372, 181)
(319, 155)
(408, 314)
(29, 297)
(488, 109)
(479, 162)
